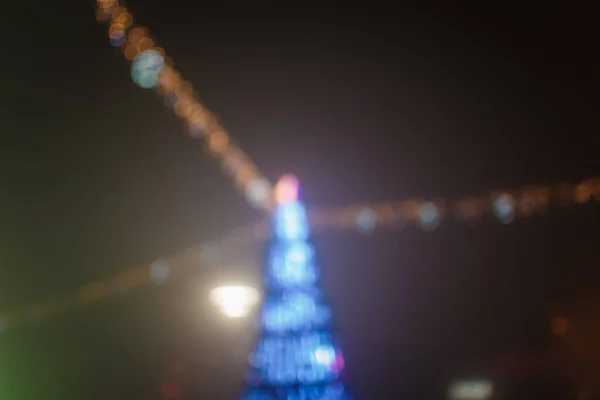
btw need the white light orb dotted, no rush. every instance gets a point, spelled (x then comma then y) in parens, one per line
(471, 390)
(235, 301)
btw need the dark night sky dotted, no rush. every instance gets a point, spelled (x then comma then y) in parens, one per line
(363, 105)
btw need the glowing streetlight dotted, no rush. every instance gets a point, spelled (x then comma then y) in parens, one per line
(235, 301)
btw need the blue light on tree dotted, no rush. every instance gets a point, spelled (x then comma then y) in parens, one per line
(146, 68)
(292, 264)
(298, 356)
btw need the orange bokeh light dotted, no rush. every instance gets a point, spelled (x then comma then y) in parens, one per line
(218, 142)
(145, 44)
(106, 4)
(130, 52)
(182, 105)
(582, 193)
(560, 325)
(121, 16)
(137, 34)
(116, 27)
(245, 174)
(117, 12)
(410, 209)
(198, 117)
(184, 88)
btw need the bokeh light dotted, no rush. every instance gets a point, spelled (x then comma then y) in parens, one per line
(504, 207)
(137, 34)
(218, 142)
(292, 265)
(560, 325)
(117, 37)
(306, 358)
(286, 189)
(471, 390)
(235, 301)
(290, 222)
(159, 272)
(258, 192)
(366, 221)
(121, 16)
(429, 216)
(146, 69)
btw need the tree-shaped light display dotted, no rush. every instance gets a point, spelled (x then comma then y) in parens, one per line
(297, 356)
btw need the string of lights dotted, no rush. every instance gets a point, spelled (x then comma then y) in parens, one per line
(151, 68)
(156, 273)
(504, 205)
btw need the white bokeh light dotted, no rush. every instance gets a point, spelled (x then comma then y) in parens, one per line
(471, 390)
(235, 301)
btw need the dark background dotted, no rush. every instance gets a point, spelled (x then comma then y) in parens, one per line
(364, 104)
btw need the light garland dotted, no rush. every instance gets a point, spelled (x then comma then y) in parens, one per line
(152, 69)
(156, 273)
(505, 205)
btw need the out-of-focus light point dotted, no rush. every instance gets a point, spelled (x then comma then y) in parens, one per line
(471, 390)
(123, 18)
(136, 34)
(325, 355)
(286, 189)
(366, 221)
(146, 69)
(235, 301)
(159, 272)
(429, 216)
(582, 193)
(504, 207)
(117, 38)
(218, 142)
(107, 4)
(258, 192)
(560, 325)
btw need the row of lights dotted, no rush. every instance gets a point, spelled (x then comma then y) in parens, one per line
(505, 205)
(157, 273)
(152, 69)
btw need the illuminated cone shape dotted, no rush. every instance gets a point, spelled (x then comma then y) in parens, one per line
(297, 356)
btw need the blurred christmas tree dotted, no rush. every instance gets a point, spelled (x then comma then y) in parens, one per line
(297, 356)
